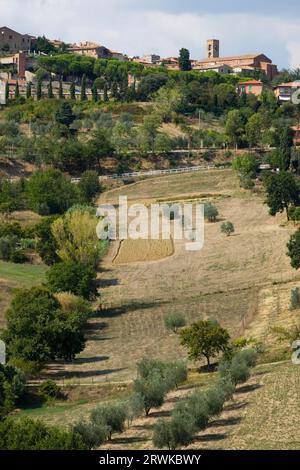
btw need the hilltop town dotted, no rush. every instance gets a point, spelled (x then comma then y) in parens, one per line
(19, 54)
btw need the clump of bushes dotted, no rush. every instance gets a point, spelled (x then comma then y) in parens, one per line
(174, 321)
(227, 228)
(49, 390)
(210, 212)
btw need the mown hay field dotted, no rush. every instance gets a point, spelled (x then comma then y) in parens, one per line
(226, 280)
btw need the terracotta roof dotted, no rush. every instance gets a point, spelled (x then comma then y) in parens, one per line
(236, 57)
(289, 84)
(251, 82)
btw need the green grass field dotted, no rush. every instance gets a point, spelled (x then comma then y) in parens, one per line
(13, 276)
(24, 275)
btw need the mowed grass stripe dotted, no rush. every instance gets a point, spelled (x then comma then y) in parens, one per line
(23, 275)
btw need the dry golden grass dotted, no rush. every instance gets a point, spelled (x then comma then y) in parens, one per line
(134, 251)
(226, 280)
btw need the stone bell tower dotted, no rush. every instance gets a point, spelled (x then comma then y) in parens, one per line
(213, 48)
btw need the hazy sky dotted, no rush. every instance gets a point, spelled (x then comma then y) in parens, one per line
(163, 26)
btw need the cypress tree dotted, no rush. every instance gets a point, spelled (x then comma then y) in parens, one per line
(114, 90)
(83, 96)
(6, 91)
(50, 89)
(60, 90)
(95, 93)
(28, 91)
(105, 93)
(17, 90)
(72, 91)
(39, 91)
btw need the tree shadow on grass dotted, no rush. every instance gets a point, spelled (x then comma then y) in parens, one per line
(247, 388)
(103, 283)
(127, 440)
(235, 406)
(123, 309)
(225, 422)
(90, 360)
(96, 326)
(65, 374)
(211, 437)
(160, 414)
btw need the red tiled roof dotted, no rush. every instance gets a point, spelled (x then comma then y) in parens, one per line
(251, 82)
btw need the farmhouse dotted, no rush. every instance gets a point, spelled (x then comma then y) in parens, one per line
(284, 91)
(12, 42)
(13, 64)
(251, 86)
(95, 50)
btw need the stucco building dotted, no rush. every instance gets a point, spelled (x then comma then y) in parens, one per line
(12, 42)
(248, 61)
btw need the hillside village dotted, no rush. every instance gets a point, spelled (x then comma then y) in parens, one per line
(137, 343)
(18, 62)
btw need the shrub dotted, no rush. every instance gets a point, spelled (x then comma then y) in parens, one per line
(91, 435)
(89, 186)
(38, 330)
(198, 410)
(227, 387)
(173, 434)
(215, 399)
(210, 212)
(151, 392)
(173, 321)
(227, 228)
(27, 434)
(176, 373)
(237, 369)
(112, 416)
(12, 388)
(170, 373)
(50, 192)
(49, 390)
(71, 276)
(249, 356)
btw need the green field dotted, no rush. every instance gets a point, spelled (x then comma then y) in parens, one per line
(24, 275)
(13, 276)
